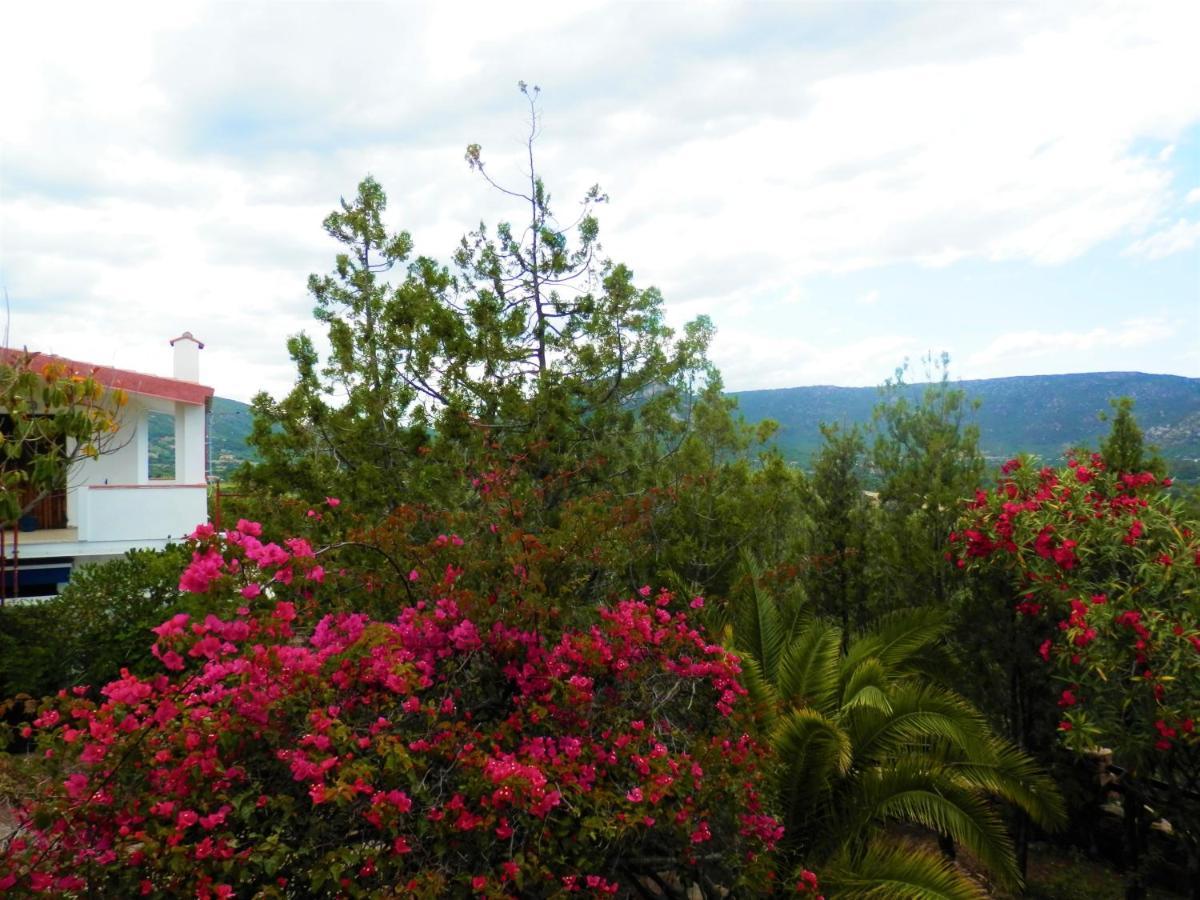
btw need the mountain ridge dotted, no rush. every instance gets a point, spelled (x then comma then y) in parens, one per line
(1040, 414)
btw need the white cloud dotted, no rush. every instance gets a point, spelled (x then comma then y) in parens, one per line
(1061, 347)
(751, 360)
(166, 166)
(1183, 235)
(1193, 196)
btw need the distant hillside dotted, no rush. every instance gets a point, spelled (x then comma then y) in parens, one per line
(228, 430)
(1042, 414)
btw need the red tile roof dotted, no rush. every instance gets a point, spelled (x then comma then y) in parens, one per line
(123, 379)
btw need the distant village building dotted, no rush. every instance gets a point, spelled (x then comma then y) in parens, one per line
(111, 504)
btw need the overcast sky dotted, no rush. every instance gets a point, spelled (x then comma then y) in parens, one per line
(839, 186)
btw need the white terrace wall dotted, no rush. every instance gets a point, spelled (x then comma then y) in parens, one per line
(111, 498)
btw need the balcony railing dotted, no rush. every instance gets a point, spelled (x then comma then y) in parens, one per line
(48, 512)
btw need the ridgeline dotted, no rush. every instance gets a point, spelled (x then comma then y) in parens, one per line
(1041, 414)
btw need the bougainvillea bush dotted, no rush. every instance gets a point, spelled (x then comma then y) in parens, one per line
(1102, 564)
(453, 750)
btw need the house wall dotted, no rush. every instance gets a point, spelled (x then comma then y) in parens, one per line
(128, 464)
(112, 504)
(127, 461)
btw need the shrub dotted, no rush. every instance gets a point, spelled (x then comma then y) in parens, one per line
(1101, 564)
(463, 748)
(100, 622)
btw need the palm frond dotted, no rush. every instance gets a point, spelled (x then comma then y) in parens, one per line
(1014, 776)
(758, 629)
(870, 697)
(795, 613)
(898, 639)
(898, 873)
(809, 667)
(760, 690)
(922, 715)
(865, 737)
(868, 673)
(908, 790)
(814, 754)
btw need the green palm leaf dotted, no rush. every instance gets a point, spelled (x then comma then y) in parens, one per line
(868, 697)
(758, 629)
(899, 639)
(867, 674)
(909, 791)
(810, 667)
(1015, 777)
(759, 688)
(898, 873)
(865, 736)
(814, 754)
(925, 716)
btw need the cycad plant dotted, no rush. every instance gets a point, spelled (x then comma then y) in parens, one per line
(866, 737)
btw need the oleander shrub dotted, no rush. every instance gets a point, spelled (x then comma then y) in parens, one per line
(1104, 571)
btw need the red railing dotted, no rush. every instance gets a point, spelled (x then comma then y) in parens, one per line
(48, 512)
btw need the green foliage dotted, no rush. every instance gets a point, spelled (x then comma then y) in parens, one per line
(52, 417)
(1123, 449)
(865, 738)
(346, 426)
(533, 344)
(899, 873)
(718, 496)
(927, 457)
(99, 624)
(840, 514)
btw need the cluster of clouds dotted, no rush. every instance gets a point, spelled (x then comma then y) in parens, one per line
(167, 167)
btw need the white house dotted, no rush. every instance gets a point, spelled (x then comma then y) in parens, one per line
(111, 504)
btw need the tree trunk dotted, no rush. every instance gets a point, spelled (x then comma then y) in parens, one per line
(1022, 844)
(1132, 801)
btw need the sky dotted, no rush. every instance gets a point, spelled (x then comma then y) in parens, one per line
(840, 186)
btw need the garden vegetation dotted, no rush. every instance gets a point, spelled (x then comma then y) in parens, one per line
(514, 604)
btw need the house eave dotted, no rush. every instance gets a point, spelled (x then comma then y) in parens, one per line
(141, 383)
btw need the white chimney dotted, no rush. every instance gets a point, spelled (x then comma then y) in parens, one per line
(187, 357)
